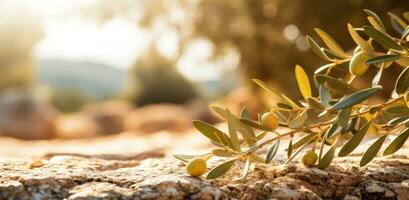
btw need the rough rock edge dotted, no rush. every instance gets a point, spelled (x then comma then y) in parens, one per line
(71, 177)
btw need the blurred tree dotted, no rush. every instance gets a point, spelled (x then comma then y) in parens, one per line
(19, 32)
(154, 79)
(268, 34)
(68, 99)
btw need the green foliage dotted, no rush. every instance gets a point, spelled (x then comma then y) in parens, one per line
(339, 118)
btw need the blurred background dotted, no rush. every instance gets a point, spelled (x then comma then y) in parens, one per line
(89, 68)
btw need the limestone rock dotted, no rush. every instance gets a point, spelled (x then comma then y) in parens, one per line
(86, 177)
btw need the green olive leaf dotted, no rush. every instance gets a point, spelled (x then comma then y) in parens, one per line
(331, 43)
(298, 121)
(402, 84)
(246, 169)
(386, 41)
(335, 84)
(245, 114)
(304, 139)
(290, 148)
(360, 41)
(186, 158)
(375, 17)
(220, 169)
(400, 22)
(326, 160)
(303, 82)
(372, 151)
(355, 98)
(325, 96)
(317, 49)
(378, 76)
(343, 117)
(272, 151)
(397, 143)
(232, 124)
(212, 133)
(405, 32)
(222, 153)
(354, 141)
(254, 124)
(383, 58)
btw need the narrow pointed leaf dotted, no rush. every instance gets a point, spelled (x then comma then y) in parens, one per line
(325, 96)
(304, 139)
(360, 41)
(272, 151)
(326, 160)
(245, 114)
(335, 84)
(402, 84)
(303, 82)
(354, 141)
(383, 58)
(212, 133)
(220, 169)
(372, 151)
(232, 123)
(317, 49)
(290, 148)
(331, 43)
(397, 143)
(383, 39)
(186, 158)
(343, 117)
(355, 98)
(378, 76)
(246, 169)
(375, 16)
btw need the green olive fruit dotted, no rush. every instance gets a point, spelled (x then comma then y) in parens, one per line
(357, 64)
(309, 158)
(269, 120)
(196, 167)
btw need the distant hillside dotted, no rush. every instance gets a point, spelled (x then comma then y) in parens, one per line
(94, 79)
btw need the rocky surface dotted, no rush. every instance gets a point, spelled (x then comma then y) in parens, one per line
(151, 176)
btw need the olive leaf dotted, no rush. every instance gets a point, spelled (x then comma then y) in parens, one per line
(402, 84)
(254, 124)
(326, 160)
(354, 141)
(272, 151)
(375, 17)
(343, 117)
(360, 41)
(383, 58)
(333, 131)
(222, 153)
(395, 19)
(371, 152)
(383, 39)
(335, 84)
(246, 169)
(245, 114)
(220, 169)
(331, 43)
(298, 121)
(232, 124)
(317, 49)
(290, 148)
(377, 77)
(303, 82)
(397, 143)
(212, 133)
(325, 96)
(355, 98)
(186, 158)
(304, 139)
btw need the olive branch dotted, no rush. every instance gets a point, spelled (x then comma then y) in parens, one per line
(336, 121)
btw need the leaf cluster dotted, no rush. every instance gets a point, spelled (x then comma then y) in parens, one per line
(338, 119)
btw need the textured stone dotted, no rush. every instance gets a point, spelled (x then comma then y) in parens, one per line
(134, 177)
